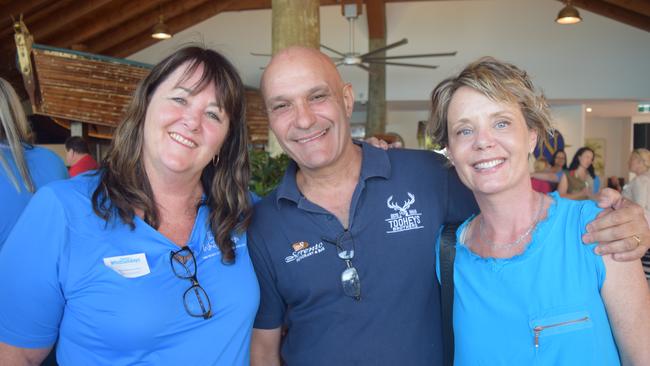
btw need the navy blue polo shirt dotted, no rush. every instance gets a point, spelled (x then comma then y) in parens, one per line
(401, 200)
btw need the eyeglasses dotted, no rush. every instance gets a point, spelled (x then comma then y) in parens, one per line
(195, 299)
(349, 277)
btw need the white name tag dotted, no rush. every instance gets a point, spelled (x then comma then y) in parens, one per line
(129, 266)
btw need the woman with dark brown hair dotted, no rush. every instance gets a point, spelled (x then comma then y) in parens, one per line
(146, 261)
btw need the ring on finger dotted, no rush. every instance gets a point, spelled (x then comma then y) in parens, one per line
(637, 239)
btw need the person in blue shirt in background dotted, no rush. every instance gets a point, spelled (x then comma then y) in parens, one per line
(526, 290)
(146, 261)
(23, 167)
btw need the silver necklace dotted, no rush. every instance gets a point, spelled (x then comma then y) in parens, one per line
(520, 238)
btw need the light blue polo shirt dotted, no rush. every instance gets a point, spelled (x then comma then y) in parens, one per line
(109, 293)
(44, 167)
(400, 201)
(542, 307)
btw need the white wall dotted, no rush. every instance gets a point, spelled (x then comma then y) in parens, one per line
(616, 133)
(570, 121)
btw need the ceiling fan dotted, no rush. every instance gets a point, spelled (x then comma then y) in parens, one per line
(352, 58)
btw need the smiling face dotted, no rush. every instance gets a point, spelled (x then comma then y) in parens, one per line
(184, 128)
(309, 107)
(489, 142)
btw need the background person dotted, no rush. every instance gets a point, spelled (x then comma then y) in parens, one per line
(77, 156)
(23, 167)
(580, 181)
(553, 173)
(526, 290)
(146, 261)
(638, 190)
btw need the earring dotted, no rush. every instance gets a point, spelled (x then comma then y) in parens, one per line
(214, 163)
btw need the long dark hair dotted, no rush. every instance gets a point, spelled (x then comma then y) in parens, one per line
(564, 167)
(575, 162)
(124, 186)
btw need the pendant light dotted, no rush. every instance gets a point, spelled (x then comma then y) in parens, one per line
(568, 15)
(160, 30)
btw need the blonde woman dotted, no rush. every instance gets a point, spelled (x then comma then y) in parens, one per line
(526, 290)
(23, 167)
(638, 190)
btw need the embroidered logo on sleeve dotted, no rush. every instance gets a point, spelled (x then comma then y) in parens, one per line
(129, 266)
(404, 218)
(302, 250)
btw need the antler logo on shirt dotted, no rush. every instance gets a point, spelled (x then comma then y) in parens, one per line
(402, 209)
(404, 218)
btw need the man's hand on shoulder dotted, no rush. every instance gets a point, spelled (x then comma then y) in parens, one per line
(383, 144)
(621, 229)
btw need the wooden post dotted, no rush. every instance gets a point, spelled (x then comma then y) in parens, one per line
(295, 23)
(376, 117)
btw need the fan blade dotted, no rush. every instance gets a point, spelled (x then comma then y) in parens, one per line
(332, 50)
(412, 56)
(261, 54)
(363, 67)
(387, 47)
(402, 64)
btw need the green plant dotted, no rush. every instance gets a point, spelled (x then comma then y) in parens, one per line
(266, 171)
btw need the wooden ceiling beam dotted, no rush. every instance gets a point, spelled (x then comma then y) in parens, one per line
(107, 19)
(176, 24)
(144, 23)
(614, 12)
(61, 18)
(15, 9)
(639, 6)
(44, 12)
(376, 10)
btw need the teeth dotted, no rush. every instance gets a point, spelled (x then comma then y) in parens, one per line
(182, 140)
(488, 164)
(302, 141)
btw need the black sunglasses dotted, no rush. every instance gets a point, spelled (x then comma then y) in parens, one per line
(349, 277)
(184, 266)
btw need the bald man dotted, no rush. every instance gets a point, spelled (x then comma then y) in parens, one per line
(344, 247)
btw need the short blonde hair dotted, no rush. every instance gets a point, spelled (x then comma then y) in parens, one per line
(644, 154)
(500, 82)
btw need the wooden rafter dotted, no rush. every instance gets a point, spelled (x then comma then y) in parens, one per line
(110, 17)
(638, 6)
(66, 15)
(175, 24)
(138, 25)
(611, 10)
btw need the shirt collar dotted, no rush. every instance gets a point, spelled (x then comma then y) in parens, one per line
(374, 163)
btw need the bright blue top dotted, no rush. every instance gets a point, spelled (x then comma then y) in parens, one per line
(555, 284)
(44, 166)
(399, 203)
(58, 281)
